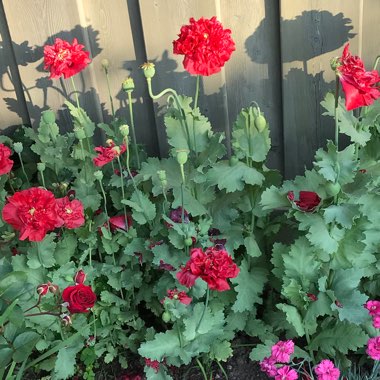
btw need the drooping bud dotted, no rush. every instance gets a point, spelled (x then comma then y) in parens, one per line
(98, 175)
(182, 156)
(128, 84)
(66, 319)
(43, 289)
(41, 166)
(18, 147)
(260, 123)
(148, 69)
(124, 130)
(105, 64)
(48, 117)
(80, 277)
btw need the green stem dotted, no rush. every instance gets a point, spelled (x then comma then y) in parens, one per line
(183, 174)
(43, 178)
(335, 113)
(201, 368)
(308, 344)
(376, 62)
(23, 169)
(133, 129)
(84, 160)
(196, 92)
(122, 187)
(10, 372)
(375, 370)
(75, 91)
(10, 182)
(204, 309)
(179, 336)
(222, 369)
(105, 204)
(109, 94)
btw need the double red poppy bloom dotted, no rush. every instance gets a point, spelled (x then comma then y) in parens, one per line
(213, 266)
(65, 59)
(80, 298)
(361, 87)
(205, 45)
(307, 201)
(34, 212)
(6, 163)
(108, 154)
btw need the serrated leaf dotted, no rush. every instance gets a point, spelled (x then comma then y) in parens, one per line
(23, 345)
(261, 351)
(272, 198)
(87, 194)
(81, 119)
(163, 345)
(65, 363)
(233, 178)
(344, 214)
(252, 247)
(65, 249)
(143, 209)
(42, 253)
(341, 338)
(249, 285)
(221, 351)
(293, 317)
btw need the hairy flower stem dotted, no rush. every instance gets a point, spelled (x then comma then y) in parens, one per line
(174, 95)
(122, 188)
(130, 105)
(75, 91)
(84, 160)
(196, 92)
(105, 204)
(43, 179)
(204, 309)
(109, 94)
(376, 62)
(201, 368)
(222, 369)
(308, 344)
(23, 168)
(335, 113)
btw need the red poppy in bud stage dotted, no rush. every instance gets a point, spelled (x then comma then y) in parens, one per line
(205, 45)
(307, 201)
(360, 87)
(71, 212)
(80, 298)
(80, 277)
(43, 289)
(65, 59)
(214, 266)
(108, 154)
(33, 212)
(6, 163)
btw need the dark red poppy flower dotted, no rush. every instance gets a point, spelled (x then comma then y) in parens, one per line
(308, 200)
(65, 59)
(108, 154)
(71, 212)
(6, 163)
(176, 216)
(361, 87)
(205, 45)
(119, 222)
(33, 212)
(80, 298)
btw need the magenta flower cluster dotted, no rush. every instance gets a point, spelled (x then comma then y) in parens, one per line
(373, 345)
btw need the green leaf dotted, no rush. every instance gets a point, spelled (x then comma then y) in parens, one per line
(252, 247)
(273, 198)
(151, 374)
(23, 345)
(81, 119)
(344, 214)
(249, 286)
(341, 338)
(42, 253)
(143, 209)
(293, 317)
(261, 351)
(65, 363)
(221, 351)
(65, 249)
(87, 194)
(233, 178)
(163, 345)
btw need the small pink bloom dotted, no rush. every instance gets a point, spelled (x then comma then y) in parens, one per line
(327, 371)
(286, 373)
(282, 350)
(268, 365)
(373, 307)
(373, 348)
(376, 321)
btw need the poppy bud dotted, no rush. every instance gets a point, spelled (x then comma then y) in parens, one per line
(18, 147)
(43, 289)
(161, 174)
(48, 117)
(260, 123)
(148, 69)
(312, 297)
(98, 175)
(338, 304)
(105, 64)
(80, 277)
(41, 166)
(182, 156)
(124, 130)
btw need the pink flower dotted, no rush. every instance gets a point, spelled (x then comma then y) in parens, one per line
(282, 350)
(108, 154)
(373, 348)
(5, 162)
(373, 307)
(327, 371)
(286, 373)
(71, 212)
(268, 365)
(376, 321)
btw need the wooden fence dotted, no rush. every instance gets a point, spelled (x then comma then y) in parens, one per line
(283, 49)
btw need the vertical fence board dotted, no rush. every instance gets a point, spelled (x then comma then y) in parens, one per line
(254, 72)
(13, 109)
(162, 20)
(312, 32)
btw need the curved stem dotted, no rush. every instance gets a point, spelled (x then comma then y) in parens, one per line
(109, 94)
(133, 129)
(105, 204)
(222, 369)
(204, 309)
(335, 113)
(23, 169)
(201, 368)
(122, 188)
(42, 313)
(376, 62)
(75, 91)
(196, 92)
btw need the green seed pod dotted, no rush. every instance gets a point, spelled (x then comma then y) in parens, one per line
(166, 317)
(188, 242)
(41, 166)
(124, 130)
(333, 188)
(161, 174)
(182, 156)
(260, 123)
(98, 175)
(18, 147)
(48, 117)
(105, 64)
(148, 69)
(234, 161)
(128, 84)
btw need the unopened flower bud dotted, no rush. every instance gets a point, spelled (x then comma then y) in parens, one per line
(110, 142)
(66, 319)
(161, 175)
(98, 175)
(80, 277)
(338, 304)
(182, 156)
(148, 69)
(63, 186)
(312, 297)
(48, 117)
(43, 289)
(53, 288)
(90, 341)
(124, 130)
(18, 147)
(105, 64)
(41, 166)
(335, 63)
(128, 84)
(80, 133)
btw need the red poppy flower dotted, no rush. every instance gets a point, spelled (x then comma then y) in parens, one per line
(80, 298)
(65, 59)
(214, 266)
(6, 163)
(33, 212)
(107, 154)
(360, 86)
(119, 222)
(205, 45)
(180, 296)
(71, 212)
(307, 201)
